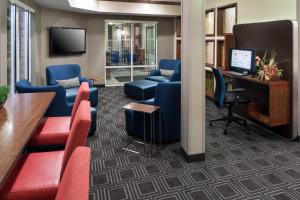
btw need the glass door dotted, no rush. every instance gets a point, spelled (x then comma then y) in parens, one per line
(130, 51)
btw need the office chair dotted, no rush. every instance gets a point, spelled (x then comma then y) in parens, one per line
(224, 97)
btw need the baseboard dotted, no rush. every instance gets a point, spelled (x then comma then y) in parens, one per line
(193, 158)
(99, 85)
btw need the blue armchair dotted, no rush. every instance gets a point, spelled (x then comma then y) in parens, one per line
(168, 97)
(165, 64)
(59, 105)
(68, 71)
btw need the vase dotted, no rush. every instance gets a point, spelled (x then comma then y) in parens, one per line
(2, 104)
(274, 78)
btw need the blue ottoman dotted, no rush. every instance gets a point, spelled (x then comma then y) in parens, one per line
(140, 90)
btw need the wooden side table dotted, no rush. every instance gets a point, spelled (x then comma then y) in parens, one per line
(145, 109)
(93, 79)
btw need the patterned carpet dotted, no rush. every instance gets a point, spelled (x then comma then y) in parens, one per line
(237, 166)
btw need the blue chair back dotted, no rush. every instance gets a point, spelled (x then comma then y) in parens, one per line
(58, 106)
(220, 89)
(170, 64)
(168, 97)
(62, 72)
(115, 57)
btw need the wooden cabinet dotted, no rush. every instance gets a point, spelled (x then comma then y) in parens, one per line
(269, 101)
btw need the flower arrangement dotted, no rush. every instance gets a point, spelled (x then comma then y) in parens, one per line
(4, 90)
(267, 69)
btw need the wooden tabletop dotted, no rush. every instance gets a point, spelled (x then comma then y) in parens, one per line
(18, 119)
(252, 79)
(93, 78)
(141, 107)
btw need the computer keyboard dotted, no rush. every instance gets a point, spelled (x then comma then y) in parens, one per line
(236, 73)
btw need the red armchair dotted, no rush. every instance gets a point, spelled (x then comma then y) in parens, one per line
(37, 175)
(55, 130)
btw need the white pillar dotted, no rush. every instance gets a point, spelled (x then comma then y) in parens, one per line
(297, 56)
(193, 80)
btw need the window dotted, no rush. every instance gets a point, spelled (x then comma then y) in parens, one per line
(18, 45)
(130, 51)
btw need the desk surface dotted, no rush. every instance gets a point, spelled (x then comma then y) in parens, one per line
(18, 119)
(252, 79)
(141, 107)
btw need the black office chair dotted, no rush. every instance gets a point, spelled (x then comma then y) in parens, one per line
(225, 97)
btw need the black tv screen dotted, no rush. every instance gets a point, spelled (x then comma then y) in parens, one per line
(67, 41)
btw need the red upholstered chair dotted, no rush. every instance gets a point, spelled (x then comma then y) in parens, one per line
(75, 181)
(55, 130)
(36, 175)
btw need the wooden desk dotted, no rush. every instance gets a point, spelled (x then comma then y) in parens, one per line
(269, 101)
(19, 117)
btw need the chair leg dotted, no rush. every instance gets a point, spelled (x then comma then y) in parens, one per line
(225, 118)
(242, 122)
(226, 127)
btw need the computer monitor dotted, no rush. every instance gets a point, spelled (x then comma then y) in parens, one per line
(242, 60)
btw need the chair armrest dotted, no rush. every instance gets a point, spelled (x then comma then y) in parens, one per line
(155, 72)
(84, 79)
(236, 90)
(148, 102)
(175, 76)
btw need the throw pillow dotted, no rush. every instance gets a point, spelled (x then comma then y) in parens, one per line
(165, 72)
(69, 83)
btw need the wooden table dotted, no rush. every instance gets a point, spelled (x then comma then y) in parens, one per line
(19, 117)
(93, 79)
(145, 109)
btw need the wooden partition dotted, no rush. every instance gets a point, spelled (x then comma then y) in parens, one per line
(266, 100)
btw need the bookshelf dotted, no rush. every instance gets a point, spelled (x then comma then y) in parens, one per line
(177, 53)
(219, 24)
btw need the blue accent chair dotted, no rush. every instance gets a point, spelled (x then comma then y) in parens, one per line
(68, 71)
(175, 65)
(168, 97)
(59, 105)
(225, 97)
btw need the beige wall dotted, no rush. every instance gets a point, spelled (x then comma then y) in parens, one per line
(259, 10)
(93, 61)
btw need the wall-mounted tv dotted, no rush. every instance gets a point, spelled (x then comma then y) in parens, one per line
(67, 41)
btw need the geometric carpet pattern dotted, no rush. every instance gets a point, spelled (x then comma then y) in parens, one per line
(260, 165)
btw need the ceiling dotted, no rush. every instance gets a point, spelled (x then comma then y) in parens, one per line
(171, 2)
(137, 7)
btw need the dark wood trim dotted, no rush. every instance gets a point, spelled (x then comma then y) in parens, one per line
(147, 1)
(193, 158)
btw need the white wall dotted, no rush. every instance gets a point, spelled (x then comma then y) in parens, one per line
(259, 10)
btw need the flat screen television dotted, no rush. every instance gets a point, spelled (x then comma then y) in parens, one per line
(67, 41)
(242, 60)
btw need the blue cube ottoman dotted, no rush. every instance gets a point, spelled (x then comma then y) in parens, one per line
(140, 90)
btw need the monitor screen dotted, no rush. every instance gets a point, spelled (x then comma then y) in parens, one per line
(66, 41)
(242, 60)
